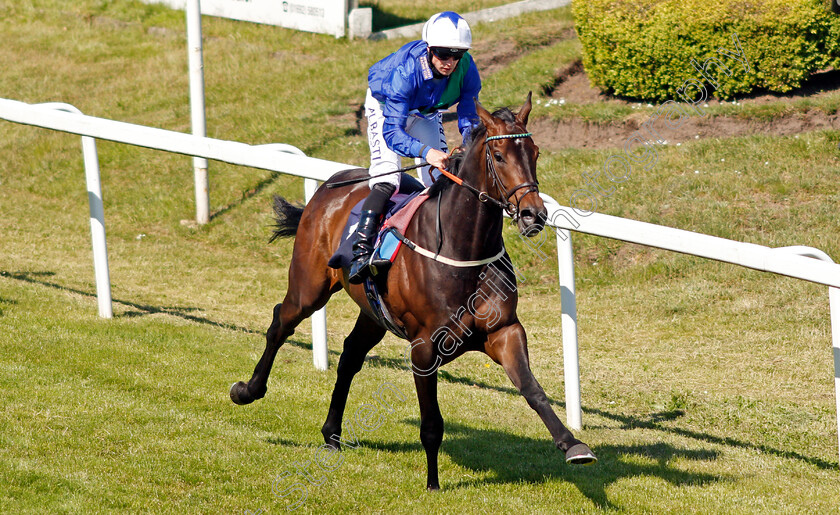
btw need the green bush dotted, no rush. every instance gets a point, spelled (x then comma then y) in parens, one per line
(643, 48)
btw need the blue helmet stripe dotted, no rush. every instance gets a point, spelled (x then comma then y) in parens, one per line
(451, 16)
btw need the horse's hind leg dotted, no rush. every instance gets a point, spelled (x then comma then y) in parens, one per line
(508, 347)
(302, 299)
(364, 336)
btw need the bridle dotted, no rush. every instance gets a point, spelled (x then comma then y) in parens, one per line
(512, 210)
(505, 204)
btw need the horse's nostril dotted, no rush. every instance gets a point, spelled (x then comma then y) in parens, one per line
(529, 224)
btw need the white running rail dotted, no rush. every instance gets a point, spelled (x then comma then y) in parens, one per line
(804, 263)
(275, 157)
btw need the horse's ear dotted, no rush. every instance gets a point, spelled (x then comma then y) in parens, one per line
(522, 115)
(483, 114)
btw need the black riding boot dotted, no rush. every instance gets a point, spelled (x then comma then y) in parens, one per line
(366, 232)
(363, 246)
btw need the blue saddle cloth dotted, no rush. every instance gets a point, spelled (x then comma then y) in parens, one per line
(409, 188)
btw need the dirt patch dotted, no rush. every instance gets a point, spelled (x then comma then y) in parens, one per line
(492, 56)
(495, 58)
(553, 135)
(572, 85)
(558, 135)
(353, 121)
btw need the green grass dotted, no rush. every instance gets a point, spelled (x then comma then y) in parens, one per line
(707, 388)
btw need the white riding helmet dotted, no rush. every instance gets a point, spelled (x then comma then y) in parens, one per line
(448, 30)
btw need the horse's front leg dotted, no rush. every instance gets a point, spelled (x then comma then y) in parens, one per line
(431, 425)
(364, 336)
(508, 347)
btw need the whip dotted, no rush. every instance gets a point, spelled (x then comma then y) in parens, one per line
(367, 177)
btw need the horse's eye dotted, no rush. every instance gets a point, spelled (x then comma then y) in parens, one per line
(498, 156)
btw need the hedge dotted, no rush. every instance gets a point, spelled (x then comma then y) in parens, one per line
(644, 48)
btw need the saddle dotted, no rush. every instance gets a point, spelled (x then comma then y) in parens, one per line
(410, 189)
(399, 211)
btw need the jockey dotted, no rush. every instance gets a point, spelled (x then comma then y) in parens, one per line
(407, 92)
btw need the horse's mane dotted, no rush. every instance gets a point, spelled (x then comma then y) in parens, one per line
(476, 138)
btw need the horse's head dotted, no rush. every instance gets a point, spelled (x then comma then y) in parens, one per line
(511, 166)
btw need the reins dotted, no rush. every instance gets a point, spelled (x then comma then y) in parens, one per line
(483, 196)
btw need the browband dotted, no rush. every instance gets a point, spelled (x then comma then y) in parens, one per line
(508, 136)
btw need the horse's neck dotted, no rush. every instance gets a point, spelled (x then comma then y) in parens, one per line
(471, 229)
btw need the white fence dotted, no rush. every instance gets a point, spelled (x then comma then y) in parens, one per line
(804, 263)
(275, 157)
(798, 262)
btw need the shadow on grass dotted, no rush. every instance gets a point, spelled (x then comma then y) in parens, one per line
(8, 302)
(506, 458)
(652, 421)
(247, 195)
(383, 20)
(511, 459)
(143, 309)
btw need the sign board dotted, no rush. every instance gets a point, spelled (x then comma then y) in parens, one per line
(322, 16)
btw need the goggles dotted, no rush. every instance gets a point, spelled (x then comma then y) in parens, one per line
(444, 53)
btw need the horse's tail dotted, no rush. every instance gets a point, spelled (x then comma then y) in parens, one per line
(286, 218)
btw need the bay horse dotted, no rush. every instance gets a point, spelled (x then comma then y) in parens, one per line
(425, 296)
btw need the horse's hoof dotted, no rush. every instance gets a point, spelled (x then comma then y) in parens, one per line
(329, 441)
(239, 394)
(580, 454)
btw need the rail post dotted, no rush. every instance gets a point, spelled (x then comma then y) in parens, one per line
(568, 323)
(199, 123)
(834, 317)
(97, 216)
